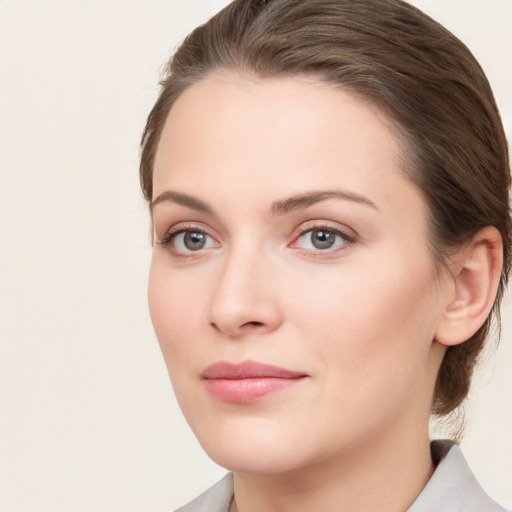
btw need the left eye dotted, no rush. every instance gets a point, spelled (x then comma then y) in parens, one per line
(320, 239)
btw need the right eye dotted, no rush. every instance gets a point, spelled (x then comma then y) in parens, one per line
(191, 240)
(183, 242)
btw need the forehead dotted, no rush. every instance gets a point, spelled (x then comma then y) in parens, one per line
(275, 137)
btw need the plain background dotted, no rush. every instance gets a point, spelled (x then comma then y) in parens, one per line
(88, 421)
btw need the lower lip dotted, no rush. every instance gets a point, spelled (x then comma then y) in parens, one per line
(243, 391)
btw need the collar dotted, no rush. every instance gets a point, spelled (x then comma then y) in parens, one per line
(452, 488)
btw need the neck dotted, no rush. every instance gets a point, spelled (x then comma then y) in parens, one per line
(388, 474)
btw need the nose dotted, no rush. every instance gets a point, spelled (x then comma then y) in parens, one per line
(245, 300)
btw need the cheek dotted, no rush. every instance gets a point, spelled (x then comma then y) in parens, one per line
(176, 312)
(365, 318)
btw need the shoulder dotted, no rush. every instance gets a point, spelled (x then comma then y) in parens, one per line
(215, 499)
(453, 487)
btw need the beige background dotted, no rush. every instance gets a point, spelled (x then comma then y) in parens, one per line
(88, 421)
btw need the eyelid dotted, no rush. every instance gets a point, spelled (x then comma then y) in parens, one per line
(325, 224)
(180, 227)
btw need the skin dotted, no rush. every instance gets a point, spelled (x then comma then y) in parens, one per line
(359, 319)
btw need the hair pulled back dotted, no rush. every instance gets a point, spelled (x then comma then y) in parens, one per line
(390, 53)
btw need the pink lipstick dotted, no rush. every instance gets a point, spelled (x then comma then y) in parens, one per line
(247, 381)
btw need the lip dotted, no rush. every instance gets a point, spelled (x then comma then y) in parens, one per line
(247, 381)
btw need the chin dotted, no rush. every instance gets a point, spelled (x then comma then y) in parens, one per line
(257, 446)
(263, 460)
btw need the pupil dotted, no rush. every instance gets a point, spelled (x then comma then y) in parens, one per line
(194, 241)
(322, 239)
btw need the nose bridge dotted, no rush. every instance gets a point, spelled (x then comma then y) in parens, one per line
(243, 299)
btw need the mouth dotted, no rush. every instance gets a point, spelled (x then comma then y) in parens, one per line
(247, 381)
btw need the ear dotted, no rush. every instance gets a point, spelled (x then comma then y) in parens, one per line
(476, 274)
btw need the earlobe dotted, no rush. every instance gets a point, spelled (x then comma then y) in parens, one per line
(476, 274)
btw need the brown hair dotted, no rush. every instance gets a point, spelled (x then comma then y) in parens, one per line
(424, 78)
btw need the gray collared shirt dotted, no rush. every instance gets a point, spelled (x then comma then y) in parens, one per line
(452, 488)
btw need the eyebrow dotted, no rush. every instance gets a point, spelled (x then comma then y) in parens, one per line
(309, 198)
(182, 199)
(279, 207)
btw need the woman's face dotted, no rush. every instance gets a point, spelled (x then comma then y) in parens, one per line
(292, 288)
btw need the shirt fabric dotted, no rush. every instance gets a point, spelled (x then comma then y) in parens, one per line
(452, 488)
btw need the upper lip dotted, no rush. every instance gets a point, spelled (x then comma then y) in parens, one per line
(248, 370)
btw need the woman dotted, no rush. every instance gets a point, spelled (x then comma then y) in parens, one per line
(328, 184)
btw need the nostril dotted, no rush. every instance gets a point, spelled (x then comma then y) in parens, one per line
(247, 325)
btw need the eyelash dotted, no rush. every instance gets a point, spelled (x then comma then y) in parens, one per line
(348, 239)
